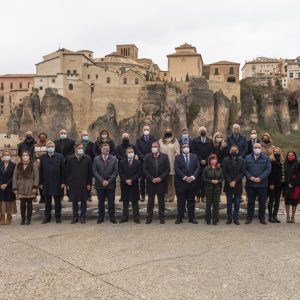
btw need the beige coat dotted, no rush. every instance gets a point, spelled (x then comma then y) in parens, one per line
(25, 181)
(171, 149)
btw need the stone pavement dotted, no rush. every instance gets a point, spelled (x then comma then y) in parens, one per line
(139, 261)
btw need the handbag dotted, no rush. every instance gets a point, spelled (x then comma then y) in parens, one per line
(295, 195)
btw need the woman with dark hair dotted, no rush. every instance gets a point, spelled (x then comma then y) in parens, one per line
(104, 137)
(291, 185)
(25, 185)
(7, 197)
(212, 179)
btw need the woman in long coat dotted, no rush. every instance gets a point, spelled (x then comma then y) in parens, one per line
(212, 178)
(7, 197)
(25, 185)
(79, 181)
(170, 146)
(104, 137)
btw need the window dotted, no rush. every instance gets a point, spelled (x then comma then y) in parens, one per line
(70, 87)
(1, 86)
(11, 85)
(96, 76)
(231, 70)
(216, 71)
(291, 75)
(1, 99)
(68, 72)
(92, 88)
(74, 72)
(136, 81)
(299, 75)
(28, 84)
(53, 80)
(107, 79)
(124, 80)
(20, 85)
(88, 76)
(41, 88)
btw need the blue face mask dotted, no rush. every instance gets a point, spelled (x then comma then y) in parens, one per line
(185, 136)
(85, 138)
(80, 151)
(51, 150)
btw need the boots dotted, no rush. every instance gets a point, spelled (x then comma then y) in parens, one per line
(2, 219)
(8, 219)
(23, 211)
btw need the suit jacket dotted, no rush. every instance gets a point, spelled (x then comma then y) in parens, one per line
(182, 170)
(65, 147)
(6, 177)
(89, 150)
(250, 146)
(52, 174)
(202, 150)
(144, 147)
(241, 142)
(156, 167)
(105, 171)
(132, 172)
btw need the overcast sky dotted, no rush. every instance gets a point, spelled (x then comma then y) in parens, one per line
(235, 30)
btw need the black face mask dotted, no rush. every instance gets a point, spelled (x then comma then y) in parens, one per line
(29, 138)
(234, 154)
(168, 135)
(125, 142)
(277, 156)
(203, 133)
(266, 142)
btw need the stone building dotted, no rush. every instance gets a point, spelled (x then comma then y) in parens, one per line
(291, 78)
(13, 87)
(224, 71)
(184, 63)
(267, 70)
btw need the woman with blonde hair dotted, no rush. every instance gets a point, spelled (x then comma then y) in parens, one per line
(220, 146)
(276, 180)
(169, 145)
(267, 146)
(7, 197)
(104, 137)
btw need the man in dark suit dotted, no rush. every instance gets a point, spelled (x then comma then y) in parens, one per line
(143, 147)
(187, 170)
(105, 170)
(121, 148)
(130, 170)
(239, 140)
(185, 139)
(203, 147)
(64, 145)
(156, 169)
(253, 140)
(52, 181)
(28, 144)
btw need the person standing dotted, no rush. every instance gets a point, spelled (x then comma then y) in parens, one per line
(7, 197)
(257, 170)
(276, 181)
(185, 139)
(234, 171)
(105, 170)
(143, 147)
(203, 147)
(52, 181)
(156, 169)
(239, 140)
(64, 145)
(187, 170)
(292, 182)
(27, 144)
(212, 179)
(121, 148)
(104, 137)
(25, 185)
(170, 146)
(267, 146)
(220, 147)
(79, 181)
(130, 170)
(253, 140)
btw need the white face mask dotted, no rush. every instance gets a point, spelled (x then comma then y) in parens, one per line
(6, 158)
(257, 151)
(186, 150)
(131, 155)
(80, 151)
(85, 138)
(253, 136)
(146, 132)
(51, 150)
(185, 135)
(63, 136)
(104, 136)
(154, 150)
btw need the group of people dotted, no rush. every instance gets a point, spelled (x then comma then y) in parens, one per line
(193, 170)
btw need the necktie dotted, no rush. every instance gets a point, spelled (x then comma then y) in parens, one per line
(187, 161)
(130, 162)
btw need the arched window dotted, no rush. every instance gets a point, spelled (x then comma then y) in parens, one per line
(231, 79)
(70, 87)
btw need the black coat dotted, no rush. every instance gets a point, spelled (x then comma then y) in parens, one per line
(98, 143)
(241, 142)
(203, 150)
(78, 177)
(233, 170)
(133, 172)
(121, 150)
(52, 174)
(182, 170)
(89, 150)
(276, 175)
(6, 177)
(153, 168)
(65, 147)
(221, 152)
(250, 146)
(144, 147)
(25, 145)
